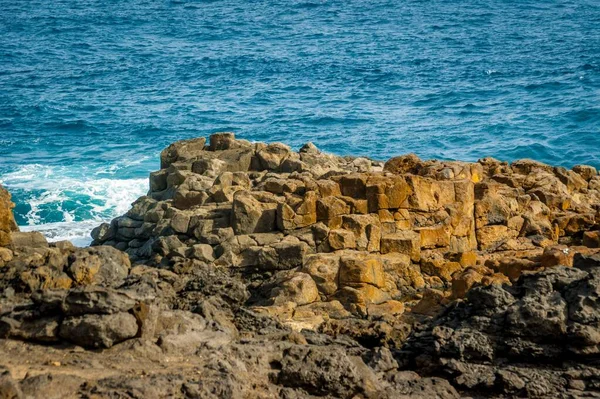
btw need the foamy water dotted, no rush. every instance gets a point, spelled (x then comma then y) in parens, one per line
(91, 91)
(66, 204)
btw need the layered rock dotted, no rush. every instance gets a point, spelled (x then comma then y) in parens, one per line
(7, 220)
(371, 238)
(251, 270)
(538, 338)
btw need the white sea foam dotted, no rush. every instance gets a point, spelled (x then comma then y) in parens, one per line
(82, 198)
(76, 232)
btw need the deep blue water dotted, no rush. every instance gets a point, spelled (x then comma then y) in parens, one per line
(91, 91)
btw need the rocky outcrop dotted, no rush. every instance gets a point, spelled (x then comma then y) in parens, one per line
(538, 338)
(375, 239)
(251, 270)
(7, 220)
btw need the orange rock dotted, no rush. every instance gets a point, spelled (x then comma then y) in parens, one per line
(591, 239)
(341, 239)
(464, 281)
(558, 255)
(432, 237)
(324, 269)
(388, 308)
(7, 221)
(359, 269)
(403, 242)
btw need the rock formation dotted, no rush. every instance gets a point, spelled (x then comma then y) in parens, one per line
(251, 270)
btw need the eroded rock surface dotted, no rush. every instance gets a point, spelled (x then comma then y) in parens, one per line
(251, 270)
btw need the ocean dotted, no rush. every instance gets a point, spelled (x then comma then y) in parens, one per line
(90, 92)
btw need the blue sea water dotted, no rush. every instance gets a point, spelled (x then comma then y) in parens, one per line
(91, 91)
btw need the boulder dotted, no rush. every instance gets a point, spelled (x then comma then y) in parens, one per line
(184, 150)
(299, 289)
(254, 212)
(96, 300)
(272, 156)
(7, 221)
(99, 330)
(366, 230)
(324, 270)
(102, 265)
(361, 268)
(403, 242)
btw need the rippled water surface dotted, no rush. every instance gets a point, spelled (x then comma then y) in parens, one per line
(91, 91)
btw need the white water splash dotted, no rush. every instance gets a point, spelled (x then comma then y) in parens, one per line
(83, 199)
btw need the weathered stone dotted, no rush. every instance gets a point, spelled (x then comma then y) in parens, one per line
(99, 331)
(7, 221)
(272, 156)
(428, 195)
(9, 388)
(202, 252)
(221, 141)
(403, 242)
(341, 239)
(432, 237)
(360, 268)
(331, 207)
(408, 163)
(591, 239)
(557, 256)
(491, 237)
(353, 185)
(435, 265)
(42, 329)
(324, 270)
(45, 277)
(283, 255)
(299, 289)
(103, 233)
(182, 151)
(101, 265)
(585, 171)
(252, 213)
(464, 281)
(20, 240)
(366, 230)
(96, 300)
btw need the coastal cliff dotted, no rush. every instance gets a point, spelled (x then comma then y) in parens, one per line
(251, 270)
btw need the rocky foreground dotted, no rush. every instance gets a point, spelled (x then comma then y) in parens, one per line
(252, 271)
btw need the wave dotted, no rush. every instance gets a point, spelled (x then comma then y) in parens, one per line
(76, 232)
(66, 203)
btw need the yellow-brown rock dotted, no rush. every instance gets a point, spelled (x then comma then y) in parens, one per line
(356, 298)
(385, 309)
(464, 281)
(45, 278)
(559, 255)
(341, 239)
(299, 289)
(440, 267)
(404, 242)
(591, 239)
(7, 221)
(356, 269)
(432, 237)
(330, 207)
(404, 273)
(491, 237)
(366, 229)
(324, 269)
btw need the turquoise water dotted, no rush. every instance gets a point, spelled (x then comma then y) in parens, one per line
(90, 92)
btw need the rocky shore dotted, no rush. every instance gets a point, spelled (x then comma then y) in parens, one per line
(253, 271)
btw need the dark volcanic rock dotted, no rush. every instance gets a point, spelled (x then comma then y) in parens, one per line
(537, 338)
(99, 331)
(261, 272)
